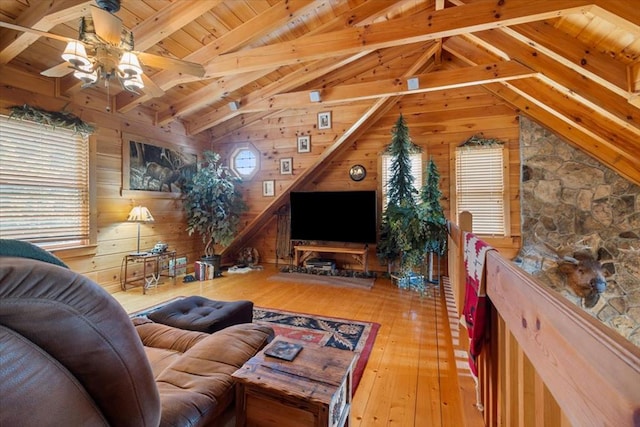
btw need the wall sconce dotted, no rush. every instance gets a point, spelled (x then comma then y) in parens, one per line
(314, 96)
(413, 83)
(234, 105)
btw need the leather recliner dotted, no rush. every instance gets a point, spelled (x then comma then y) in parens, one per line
(70, 355)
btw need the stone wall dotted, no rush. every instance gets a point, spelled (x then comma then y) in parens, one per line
(570, 200)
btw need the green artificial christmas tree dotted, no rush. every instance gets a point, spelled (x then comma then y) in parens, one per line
(402, 230)
(435, 221)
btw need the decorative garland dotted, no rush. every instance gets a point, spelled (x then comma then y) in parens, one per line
(54, 119)
(480, 141)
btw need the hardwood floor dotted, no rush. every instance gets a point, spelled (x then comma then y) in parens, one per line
(411, 377)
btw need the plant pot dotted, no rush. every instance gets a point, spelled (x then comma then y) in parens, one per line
(215, 261)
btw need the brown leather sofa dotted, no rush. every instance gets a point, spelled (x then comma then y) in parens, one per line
(70, 355)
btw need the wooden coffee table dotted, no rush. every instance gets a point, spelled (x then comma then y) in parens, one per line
(314, 389)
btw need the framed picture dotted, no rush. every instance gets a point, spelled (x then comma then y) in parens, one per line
(304, 144)
(286, 166)
(269, 188)
(153, 168)
(324, 120)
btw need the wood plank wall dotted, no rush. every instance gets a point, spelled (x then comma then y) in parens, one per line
(438, 122)
(115, 237)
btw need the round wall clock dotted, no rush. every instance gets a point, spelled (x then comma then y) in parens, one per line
(357, 172)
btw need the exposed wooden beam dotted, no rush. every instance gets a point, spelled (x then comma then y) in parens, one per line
(621, 13)
(168, 20)
(567, 80)
(359, 15)
(568, 51)
(587, 142)
(293, 80)
(224, 127)
(430, 82)
(219, 90)
(611, 145)
(616, 136)
(42, 16)
(424, 26)
(611, 148)
(253, 29)
(579, 115)
(374, 113)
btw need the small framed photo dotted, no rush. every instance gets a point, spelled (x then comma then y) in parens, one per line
(324, 120)
(286, 166)
(269, 188)
(304, 144)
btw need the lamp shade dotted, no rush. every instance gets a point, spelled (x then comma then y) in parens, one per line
(129, 64)
(140, 214)
(134, 82)
(86, 74)
(76, 54)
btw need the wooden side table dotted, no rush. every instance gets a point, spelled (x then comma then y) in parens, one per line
(312, 390)
(154, 265)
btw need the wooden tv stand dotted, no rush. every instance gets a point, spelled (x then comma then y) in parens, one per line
(302, 252)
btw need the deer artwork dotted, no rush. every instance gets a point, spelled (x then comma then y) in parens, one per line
(165, 175)
(583, 269)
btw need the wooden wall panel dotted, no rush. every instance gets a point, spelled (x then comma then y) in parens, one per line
(467, 112)
(116, 237)
(438, 121)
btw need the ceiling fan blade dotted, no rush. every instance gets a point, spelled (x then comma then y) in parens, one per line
(108, 27)
(59, 70)
(177, 65)
(33, 31)
(151, 88)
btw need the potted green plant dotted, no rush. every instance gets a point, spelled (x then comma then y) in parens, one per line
(213, 204)
(402, 231)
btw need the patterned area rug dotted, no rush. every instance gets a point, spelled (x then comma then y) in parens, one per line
(351, 335)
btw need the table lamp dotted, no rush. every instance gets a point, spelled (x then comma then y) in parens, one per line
(139, 214)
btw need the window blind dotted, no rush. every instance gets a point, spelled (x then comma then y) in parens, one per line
(416, 172)
(480, 187)
(44, 184)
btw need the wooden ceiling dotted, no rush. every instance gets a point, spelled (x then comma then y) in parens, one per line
(572, 65)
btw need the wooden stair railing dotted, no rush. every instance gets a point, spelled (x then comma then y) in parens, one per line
(548, 363)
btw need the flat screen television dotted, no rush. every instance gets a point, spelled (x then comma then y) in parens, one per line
(334, 216)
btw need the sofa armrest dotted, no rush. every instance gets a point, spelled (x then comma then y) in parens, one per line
(166, 337)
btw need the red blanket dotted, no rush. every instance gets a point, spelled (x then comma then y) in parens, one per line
(475, 302)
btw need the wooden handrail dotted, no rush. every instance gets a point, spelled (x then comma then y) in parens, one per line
(567, 366)
(592, 372)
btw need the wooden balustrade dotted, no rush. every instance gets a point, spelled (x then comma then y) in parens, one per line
(547, 362)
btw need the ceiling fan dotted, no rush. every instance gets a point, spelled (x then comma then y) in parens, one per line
(105, 51)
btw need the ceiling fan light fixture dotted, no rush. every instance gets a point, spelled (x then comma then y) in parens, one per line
(130, 65)
(87, 74)
(76, 54)
(132, 83)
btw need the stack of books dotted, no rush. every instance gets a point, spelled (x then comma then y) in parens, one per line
(204, 271)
